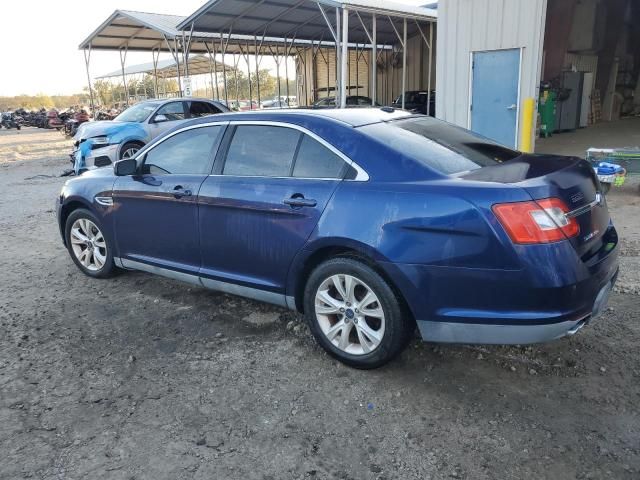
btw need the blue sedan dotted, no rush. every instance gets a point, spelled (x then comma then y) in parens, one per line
(370, 221)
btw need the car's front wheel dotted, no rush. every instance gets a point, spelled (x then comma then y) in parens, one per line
(87, 244)
(354, 313)
(129, 150)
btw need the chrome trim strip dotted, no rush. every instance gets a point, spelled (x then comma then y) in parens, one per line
(104, 201)
(231, 288)
(247, 292)
(361, 176)
(291, 303)
(144, 150)
(165, 272)
(489, 334)
(585, 208)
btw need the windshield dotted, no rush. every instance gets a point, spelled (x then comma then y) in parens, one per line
(137, 113)
(440, 145)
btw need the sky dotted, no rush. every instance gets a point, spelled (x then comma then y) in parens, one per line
(39, 52)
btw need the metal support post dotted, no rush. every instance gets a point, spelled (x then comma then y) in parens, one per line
(123, 59)
(374, 60)
(338, 87)
(344, 54)
(404, 60)
(155, 53)
(429, 71)
(87, 60)
(223, 51)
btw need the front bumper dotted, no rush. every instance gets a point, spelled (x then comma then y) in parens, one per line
(85, 157)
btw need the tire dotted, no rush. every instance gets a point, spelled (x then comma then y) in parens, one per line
(342, 328)
(129, 149)
(88, 233)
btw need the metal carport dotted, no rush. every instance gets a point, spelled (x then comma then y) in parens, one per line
(371, 23)
(126, 30)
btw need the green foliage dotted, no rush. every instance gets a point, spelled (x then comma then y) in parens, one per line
(238, 85)
(108, 94)
(33, 102)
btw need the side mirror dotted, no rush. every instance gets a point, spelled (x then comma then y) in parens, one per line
(128, 166)
(160, 118)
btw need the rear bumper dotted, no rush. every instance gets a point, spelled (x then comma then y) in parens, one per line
(531, 328)
(487, 334)
(481, 306)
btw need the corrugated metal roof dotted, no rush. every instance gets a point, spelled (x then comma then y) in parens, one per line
(142, 31)
(135, 69)
(303, 19)
(166, 68)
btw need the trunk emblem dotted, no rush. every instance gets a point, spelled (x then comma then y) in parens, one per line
(577, 197)
(590, 236)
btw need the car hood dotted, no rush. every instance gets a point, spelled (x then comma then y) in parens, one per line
(103, 127)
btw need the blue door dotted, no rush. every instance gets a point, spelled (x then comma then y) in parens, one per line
(494, 95)
(156, 220)
(263, 204)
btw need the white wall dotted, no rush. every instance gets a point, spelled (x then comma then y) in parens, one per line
(465, 26)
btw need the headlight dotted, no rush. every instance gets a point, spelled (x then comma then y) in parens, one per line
(102, 140)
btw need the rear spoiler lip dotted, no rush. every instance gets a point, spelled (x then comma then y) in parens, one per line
(519, 169)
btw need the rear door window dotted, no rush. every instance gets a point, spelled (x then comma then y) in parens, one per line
(261, 150)
(202, 109)
(442, 146)
(314, 160)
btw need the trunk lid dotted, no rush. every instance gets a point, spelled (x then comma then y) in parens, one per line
(570, 179)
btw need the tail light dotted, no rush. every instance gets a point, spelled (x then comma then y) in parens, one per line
(540, 221)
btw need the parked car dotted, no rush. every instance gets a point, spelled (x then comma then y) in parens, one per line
(370, 221)
(281, 102)
(104, 142)
(352, 102)
(416, 101)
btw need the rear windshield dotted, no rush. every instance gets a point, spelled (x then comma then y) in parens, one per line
(440, 145)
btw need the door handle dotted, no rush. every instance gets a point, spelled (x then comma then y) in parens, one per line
(300, 201)
(513, 106)
(179, 192)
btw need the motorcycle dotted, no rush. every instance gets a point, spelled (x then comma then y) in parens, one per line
(9, 121)
(107, 114)
(54, 120)
(72, 124)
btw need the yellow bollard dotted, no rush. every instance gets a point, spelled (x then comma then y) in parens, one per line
(526, 131)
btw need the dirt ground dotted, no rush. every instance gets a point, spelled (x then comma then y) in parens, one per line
(139, 377)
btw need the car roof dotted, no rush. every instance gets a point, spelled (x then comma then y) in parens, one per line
(354, 117)
(178, 99)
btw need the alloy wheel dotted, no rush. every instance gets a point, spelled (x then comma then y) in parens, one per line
(350, 314)
(88, 244)
(129, 152)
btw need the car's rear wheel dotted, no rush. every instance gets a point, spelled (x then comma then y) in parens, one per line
(129, 150)
(354, 313)
(88, 246)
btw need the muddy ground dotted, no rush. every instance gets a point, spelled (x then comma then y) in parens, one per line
(140, 377)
